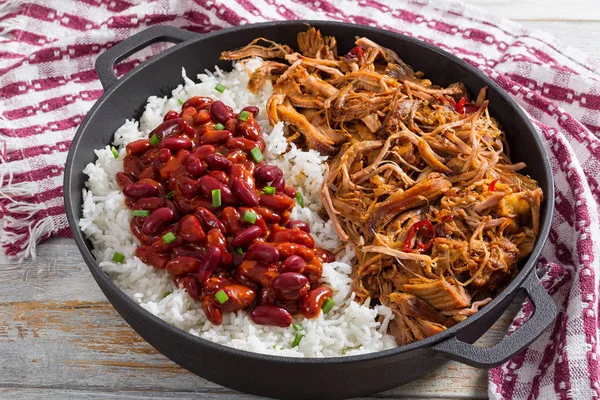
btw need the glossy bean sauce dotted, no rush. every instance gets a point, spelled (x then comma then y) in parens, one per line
(244, 253)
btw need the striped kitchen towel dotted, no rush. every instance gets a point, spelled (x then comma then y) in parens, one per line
(48, 83)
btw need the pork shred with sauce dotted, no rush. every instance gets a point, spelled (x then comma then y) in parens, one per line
(419, 177)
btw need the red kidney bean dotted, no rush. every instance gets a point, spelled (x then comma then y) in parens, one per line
(313, 271)
(215, 283)
(239, 297)
(171, 205)
(214, 137)
(202, 117)
(263, 252)
(266, 296)
(325, 255)
(258, 272)
(188, 114)
(186, 206)
(148, 203)
(231, 219)
(209, 220)
(189, 283)
(251, 109)
(143, 188)
(278, 183)
(241, 143)
(270, 216)
(208, 184)
(182, 265)
(290, 286)
(194, 166)
(239, 171)
(190, 249)
(260, 222)
(123, 180)
(232, 126)
(220, 112)
(221, 176)
(202, 151)
(171, 114)
(289, 191)
(285, 217)
(138, 147)
(216, 238)
(294, 249)
(187, 186)
(293, 264)
(237, 156)
(176, 143)
(291, 306)
(132, 166)
(246, 236)
(171, 127)
(198, 102)
(150, 256)
(149, 156)
(249, 129)
(218, 162)
(190, 229)
(294, 236)
(147, 173)
(312, 303)
(174, 164)
(157, 220)
(277, 202)
(209, 263)
(267, 173)
(271, 315)
(295, 224)
(244, 192)
(164, 155)
(212, 312)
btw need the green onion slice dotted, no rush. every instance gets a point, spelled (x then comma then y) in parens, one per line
(140, 213)
(250, 217)
(115, 152)
(154, 140)
(219, 126)
(118, 257)
(180, 102)
(220, 88)
(269, 189)
(221, 296)
(300, 199)
(244, 115)
(257, 155)
(167, 294)
(327, 305)
(239, 250)
(216, 197)
(297, 327)
(170, 194)
(168, 237)
(297, 340)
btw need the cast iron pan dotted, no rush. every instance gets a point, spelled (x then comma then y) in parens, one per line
(286, 377)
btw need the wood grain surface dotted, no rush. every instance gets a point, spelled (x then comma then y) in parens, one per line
(61, 339)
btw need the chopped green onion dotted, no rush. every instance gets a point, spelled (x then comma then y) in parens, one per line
(168, 237)
(167, 294)
(115, 152)
(216, 197)
(269, 189)
(327, 305)
(244, 115)
(297, 327)
(297, 340)
(219, 126)
(257, 155)
(300, 199)
(140, 213)
(180, 102)
(118, 257)
(239, 250)
(220, 88)
(250, 217)
(154, 140)
(170, 194)
(221, 296)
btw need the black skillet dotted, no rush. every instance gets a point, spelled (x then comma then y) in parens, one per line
(313, 378)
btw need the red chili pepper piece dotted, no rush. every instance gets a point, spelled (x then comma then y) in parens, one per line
(357, 52)
(416, 228)
(492, 186)
(460, 106)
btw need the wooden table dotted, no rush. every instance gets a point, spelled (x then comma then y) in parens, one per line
(60, 338)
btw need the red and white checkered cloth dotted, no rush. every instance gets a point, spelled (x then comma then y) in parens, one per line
(48, 83)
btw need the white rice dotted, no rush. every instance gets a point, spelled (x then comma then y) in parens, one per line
(348, 329)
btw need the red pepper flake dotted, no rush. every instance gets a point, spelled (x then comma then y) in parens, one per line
(492, 185)
(463, 107)
(357, 53)
(419, 228)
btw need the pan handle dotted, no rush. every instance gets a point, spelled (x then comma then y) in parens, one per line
(489, 357)
(159, 33)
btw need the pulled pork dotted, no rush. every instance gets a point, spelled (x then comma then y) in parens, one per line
(419, 178)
